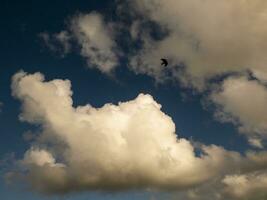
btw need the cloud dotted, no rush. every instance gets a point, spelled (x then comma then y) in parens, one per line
(206, 39)
(116, 147)
(246, 182)
(38, 157)
(94, 37)
(133, 144)
(256, 142)
(246, 186)
(97, 41)
(209, 38)
(234, 104)
(201, 40)
(57, 42)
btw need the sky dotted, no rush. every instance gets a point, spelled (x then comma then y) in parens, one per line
(88, 111)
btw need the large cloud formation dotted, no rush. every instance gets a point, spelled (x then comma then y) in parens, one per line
(204, 40)
(201, 39)
(209, 37)
(130, 145)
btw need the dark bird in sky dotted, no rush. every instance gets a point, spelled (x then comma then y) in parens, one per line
(164, 62)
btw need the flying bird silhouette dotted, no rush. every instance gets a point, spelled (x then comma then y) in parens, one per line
(164, 62)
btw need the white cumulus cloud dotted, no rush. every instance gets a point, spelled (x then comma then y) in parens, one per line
(125, 146)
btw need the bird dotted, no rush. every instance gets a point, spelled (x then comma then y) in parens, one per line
(164, 62)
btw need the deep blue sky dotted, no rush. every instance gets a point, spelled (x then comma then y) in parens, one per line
(21, 48)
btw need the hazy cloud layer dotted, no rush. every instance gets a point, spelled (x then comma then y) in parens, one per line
(208, 37)
(58, 42)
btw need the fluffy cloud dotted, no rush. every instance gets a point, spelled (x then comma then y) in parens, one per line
(125, 146)
(246, 186)
(94, 36)
(209, 37)
(243, 102)
(247, 182)
(97, 41)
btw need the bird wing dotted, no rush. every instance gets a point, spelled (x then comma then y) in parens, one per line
(164, 61)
